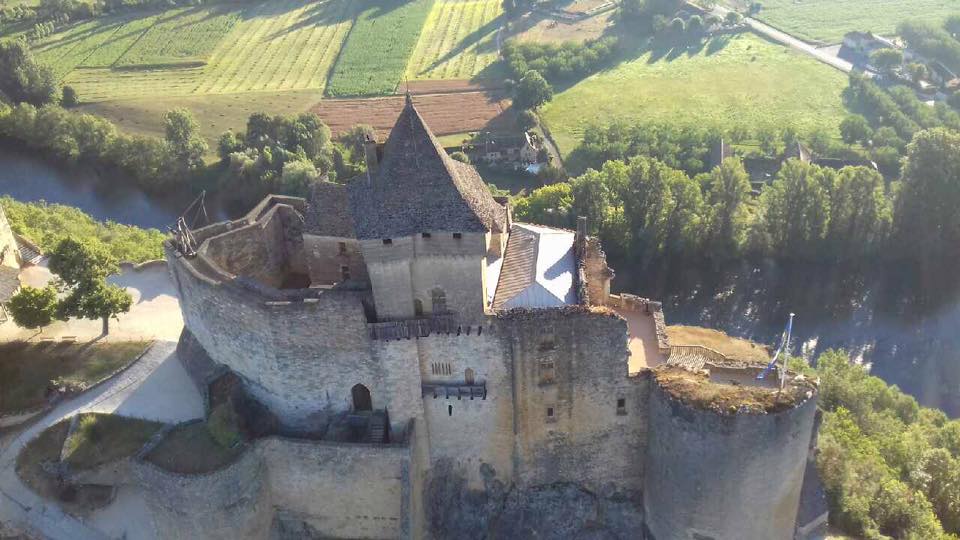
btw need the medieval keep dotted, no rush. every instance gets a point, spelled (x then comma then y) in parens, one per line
(427, 367)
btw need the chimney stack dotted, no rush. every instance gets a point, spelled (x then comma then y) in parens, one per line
(370, 157)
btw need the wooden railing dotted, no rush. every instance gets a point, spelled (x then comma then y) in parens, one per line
(694, 356)
(422, 327)
(457, 390)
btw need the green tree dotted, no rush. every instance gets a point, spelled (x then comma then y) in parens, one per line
(75, 262)
(886, 60)
(727, 195)
(549, 205)
(861, 213)
(183, 135)
(32, 307)
(796, 209)
(926, 216)
(297, 177)
(70, 98)
(460, 156)
(532, 91)
(855, 129)
(83, 270)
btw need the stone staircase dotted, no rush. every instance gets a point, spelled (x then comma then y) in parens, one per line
(378, 428)
(29, 252)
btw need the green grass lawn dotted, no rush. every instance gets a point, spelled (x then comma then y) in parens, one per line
(749, 81)
(458, 40)
(375, 55)
(190, 449)
(103, 438)
(26, 369)
(181, 36)
(829, 20)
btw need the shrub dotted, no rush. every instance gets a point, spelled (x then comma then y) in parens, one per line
(224, 425)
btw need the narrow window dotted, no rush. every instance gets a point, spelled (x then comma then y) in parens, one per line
(342, 248)
(469, 376)
(345, 273)
(449, 410)
(550, 415)
(439, 299)
(457, 236)
(425, 235)
(621, 406)
(387, 241)
(417, 307)
(547, 372)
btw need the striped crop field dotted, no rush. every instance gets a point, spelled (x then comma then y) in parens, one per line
(458, 41)
(224, 48)
(280, 45)
(181, 36)
(375, 55)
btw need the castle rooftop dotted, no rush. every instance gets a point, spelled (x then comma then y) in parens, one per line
(538, 269)
(419, 188)
(733, 390)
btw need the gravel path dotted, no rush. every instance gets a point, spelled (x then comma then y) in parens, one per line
(155, 387)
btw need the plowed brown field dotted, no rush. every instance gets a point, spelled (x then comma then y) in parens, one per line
(444, 113)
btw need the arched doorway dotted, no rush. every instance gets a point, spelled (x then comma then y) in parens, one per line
(361, 398)
(469, 376)
(439, 300)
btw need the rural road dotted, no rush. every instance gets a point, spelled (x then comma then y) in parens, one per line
(786, 39)
(155, 387)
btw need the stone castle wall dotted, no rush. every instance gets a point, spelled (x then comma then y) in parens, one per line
(589, 440)
(332, 490)
(721, 476)
(326, 255)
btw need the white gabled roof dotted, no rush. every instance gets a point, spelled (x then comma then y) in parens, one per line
(539, 269)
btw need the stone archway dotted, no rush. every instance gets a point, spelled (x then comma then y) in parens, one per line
(361, 398)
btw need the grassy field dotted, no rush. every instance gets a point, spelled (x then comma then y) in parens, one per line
(731, 347)
(103, 438)
(829, 20)
(374, 57)
(190, 449)
(458, 41)
(27, 369)
(218, 49)
(745, 81)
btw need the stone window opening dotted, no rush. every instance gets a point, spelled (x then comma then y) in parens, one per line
(547, 372)
(457, 236)
(551, 417)
(425, 235)
(417, 307)
(439, 300)
(345, 273)
(546, 345)
(449, 410)
(361, 398)
(621, 406)
(469, 376)
(341, 248)
(387, 241)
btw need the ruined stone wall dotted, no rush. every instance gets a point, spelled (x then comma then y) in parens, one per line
(574, 361)
(340, 490)
(227, 504)
(257, 250)
(300, 358)
(334, 490)
(721, 476)
(325, 259)
(9, 254)
(598, 274)
(411, 267)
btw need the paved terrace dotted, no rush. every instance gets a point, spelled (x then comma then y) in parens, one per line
(643, 340)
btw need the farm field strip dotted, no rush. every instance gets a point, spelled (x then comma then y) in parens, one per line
(451, 22)
(376, 52)
(185, 35)
(279, 52)
(282, 45)
(107, 54)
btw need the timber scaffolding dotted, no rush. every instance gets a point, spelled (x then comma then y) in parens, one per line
(421, 327)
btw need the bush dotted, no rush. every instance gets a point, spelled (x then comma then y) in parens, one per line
(70, 98)
(558, 62)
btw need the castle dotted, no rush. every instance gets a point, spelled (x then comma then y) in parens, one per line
(429, 360)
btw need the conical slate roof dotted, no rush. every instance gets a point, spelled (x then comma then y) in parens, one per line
(419, 188)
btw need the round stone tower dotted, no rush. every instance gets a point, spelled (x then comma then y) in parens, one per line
(725, 461)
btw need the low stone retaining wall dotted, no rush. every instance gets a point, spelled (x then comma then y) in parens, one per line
(18, 417)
